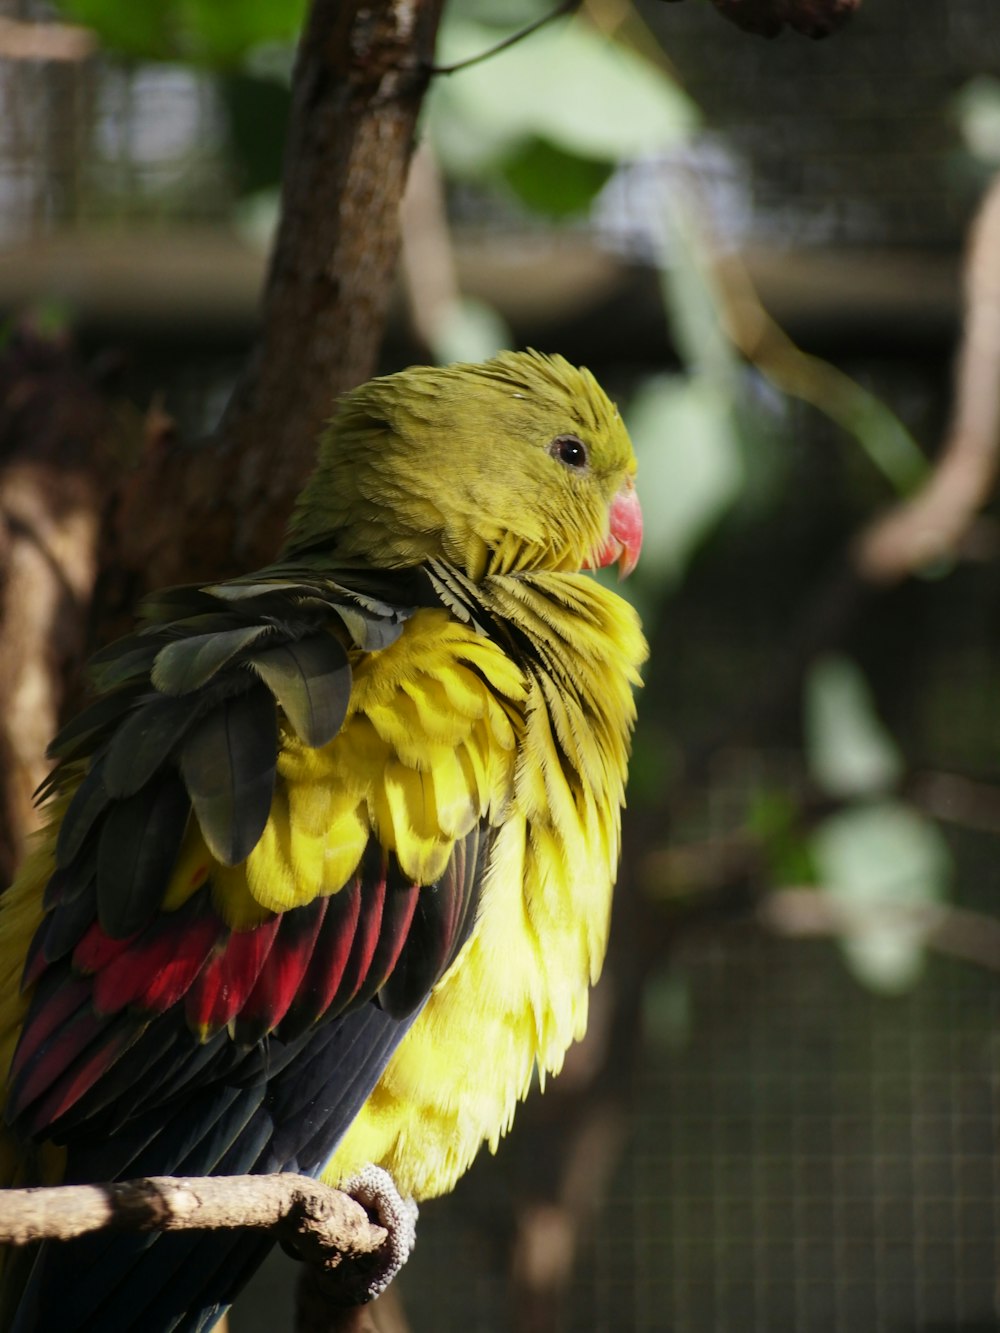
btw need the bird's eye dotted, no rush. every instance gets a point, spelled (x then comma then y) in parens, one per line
(569, 450)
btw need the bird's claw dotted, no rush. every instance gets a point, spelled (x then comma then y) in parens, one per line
(368, 1275)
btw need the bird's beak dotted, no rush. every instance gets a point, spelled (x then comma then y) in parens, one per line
(624, 539)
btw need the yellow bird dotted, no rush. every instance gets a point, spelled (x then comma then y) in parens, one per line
(328, 865)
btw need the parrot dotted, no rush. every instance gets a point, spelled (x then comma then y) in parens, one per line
(326, 865)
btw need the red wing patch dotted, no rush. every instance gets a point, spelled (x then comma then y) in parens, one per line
(381, 936)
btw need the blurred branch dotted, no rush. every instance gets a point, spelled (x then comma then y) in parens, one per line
(766, 18)
(931, 525)
(860, 413)
(45, 41)
(809, 912)
(941, 520)
(956, 799)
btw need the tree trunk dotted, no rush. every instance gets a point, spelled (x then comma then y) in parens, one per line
(359, 80)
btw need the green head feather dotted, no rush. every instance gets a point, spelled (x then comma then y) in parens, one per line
(464, 463)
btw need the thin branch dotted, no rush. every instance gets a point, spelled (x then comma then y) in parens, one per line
(931, 524)
(942, 520)
(322, 1224)
(566, 7)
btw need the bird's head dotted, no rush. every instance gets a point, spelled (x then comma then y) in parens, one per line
(521, 462)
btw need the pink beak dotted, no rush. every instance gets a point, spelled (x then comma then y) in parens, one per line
(624, 540)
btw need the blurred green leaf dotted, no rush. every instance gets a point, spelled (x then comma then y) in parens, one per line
(567, 84)
(130, 29)
(877, 863)
(850, 752)
(471, 331)
(666, 1012)
(550, 180)
(690, 467)
(214, 32)
(775, 819)
(884, 438)
(257, 110)
(222, 31)
(691, 296)
(977, 107)
(256, 218)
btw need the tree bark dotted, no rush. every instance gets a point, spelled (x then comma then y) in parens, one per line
(323, 1225)
(57, 456)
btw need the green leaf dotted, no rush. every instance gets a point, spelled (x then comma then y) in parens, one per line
(567, 84)
(222, 31)
(691, 293)
(141, 30)
(257, 111)
(884, 866)
(471, 330)
(690, 467)
(775, 820)
(977, 108)
(213, 32)
(850, 752)
(666, 1010)
(550, 180)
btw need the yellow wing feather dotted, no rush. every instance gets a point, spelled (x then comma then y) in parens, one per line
(426, 751)
(517, 995)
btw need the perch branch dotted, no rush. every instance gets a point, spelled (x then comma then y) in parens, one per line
(321, 1224)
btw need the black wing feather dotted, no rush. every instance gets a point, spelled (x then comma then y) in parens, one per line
(442, 922)
(311, 680)
(228, 764)
(186, 664)
(144, 742)
(89, 802)
(139, 842)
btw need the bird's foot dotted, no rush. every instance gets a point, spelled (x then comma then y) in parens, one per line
(368, 1275)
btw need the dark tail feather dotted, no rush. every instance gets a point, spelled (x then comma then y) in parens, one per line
(182, 1282)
